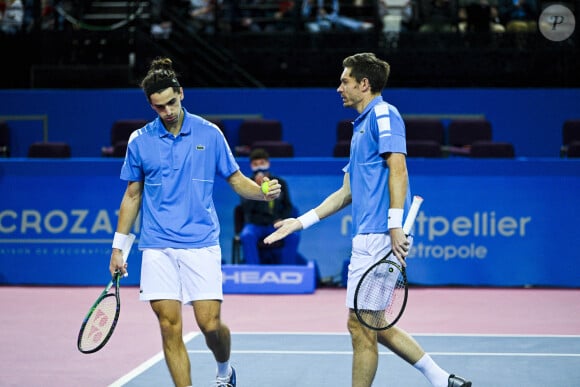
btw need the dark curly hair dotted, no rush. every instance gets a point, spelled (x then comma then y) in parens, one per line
(161, 75)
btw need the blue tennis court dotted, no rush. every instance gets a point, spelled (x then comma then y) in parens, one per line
(495, 337)
(318, 359)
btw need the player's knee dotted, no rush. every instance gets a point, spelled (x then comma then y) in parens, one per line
(169, 328)
(353, 325)
(210, 326)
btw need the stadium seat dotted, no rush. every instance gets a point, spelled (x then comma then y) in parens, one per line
(570, 134)
(119, 149)
(120, 132)
(461, 133)
(4, 139)
(490, 149)
(254, 130)
(425, 136)
(344, 130)
(220, 124)
(341, 149)
(573, 150)
(49, 150)
(275, 148)
(424, 129)
(424, 148)
(343, 137)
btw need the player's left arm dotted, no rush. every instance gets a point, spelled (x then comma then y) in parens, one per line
(128, 212)
(398, 183)
(249, 189)
(332, 204)
(130, 206)
(337, 200)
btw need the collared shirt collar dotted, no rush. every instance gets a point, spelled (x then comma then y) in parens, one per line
(374, 101)
(185, 128)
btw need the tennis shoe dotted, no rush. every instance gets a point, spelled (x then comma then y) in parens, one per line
(229, 381)
(457, 381)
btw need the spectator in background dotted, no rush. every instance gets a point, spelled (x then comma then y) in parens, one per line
(202, 13)
(251, 15)
(161, 27)
(324, 15)
(287, 17)
(52, 13)
(479, 16)
(48, 15)
(519, 15)
(260, 216)
(12, 17)
(269, 16)
(438, 16)
(397, 15)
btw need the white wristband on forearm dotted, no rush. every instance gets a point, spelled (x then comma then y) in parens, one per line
(119, 240)
(308, 219)
(395, 219)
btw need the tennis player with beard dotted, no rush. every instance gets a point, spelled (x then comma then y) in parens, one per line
(376, 184)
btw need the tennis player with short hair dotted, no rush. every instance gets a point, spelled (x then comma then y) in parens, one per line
(376, 183)
(170, 168)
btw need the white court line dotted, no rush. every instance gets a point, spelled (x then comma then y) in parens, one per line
(147, 364)
(326, 353)
(412, 334)
(190, 336)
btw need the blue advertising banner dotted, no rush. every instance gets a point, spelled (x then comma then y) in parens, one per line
(56, 222)
(483, 222)
(269, 279)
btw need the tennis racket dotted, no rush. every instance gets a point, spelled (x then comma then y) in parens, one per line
(99, 323)
(380, 297)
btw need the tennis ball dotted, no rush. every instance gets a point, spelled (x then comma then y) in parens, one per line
(265, 188)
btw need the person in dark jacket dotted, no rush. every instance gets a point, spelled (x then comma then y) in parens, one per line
(259, 217)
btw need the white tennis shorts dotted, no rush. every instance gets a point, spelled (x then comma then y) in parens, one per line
(181, 274)
(366, 250)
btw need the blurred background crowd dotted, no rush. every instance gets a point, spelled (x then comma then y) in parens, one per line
(269, 43)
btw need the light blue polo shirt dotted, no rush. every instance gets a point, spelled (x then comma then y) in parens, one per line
(377, 130)
(178, 175)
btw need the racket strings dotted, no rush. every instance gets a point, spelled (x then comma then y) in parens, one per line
(381, 296)
(99, 324)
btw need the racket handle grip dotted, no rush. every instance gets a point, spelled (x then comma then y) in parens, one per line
(413, 211)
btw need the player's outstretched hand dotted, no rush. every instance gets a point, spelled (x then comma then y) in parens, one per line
(283, 228)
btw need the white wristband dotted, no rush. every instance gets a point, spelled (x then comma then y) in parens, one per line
(119, 240)
(395, 219)
(308, 219)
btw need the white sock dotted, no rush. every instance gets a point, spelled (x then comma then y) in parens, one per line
(223, 369)
(436, 376)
